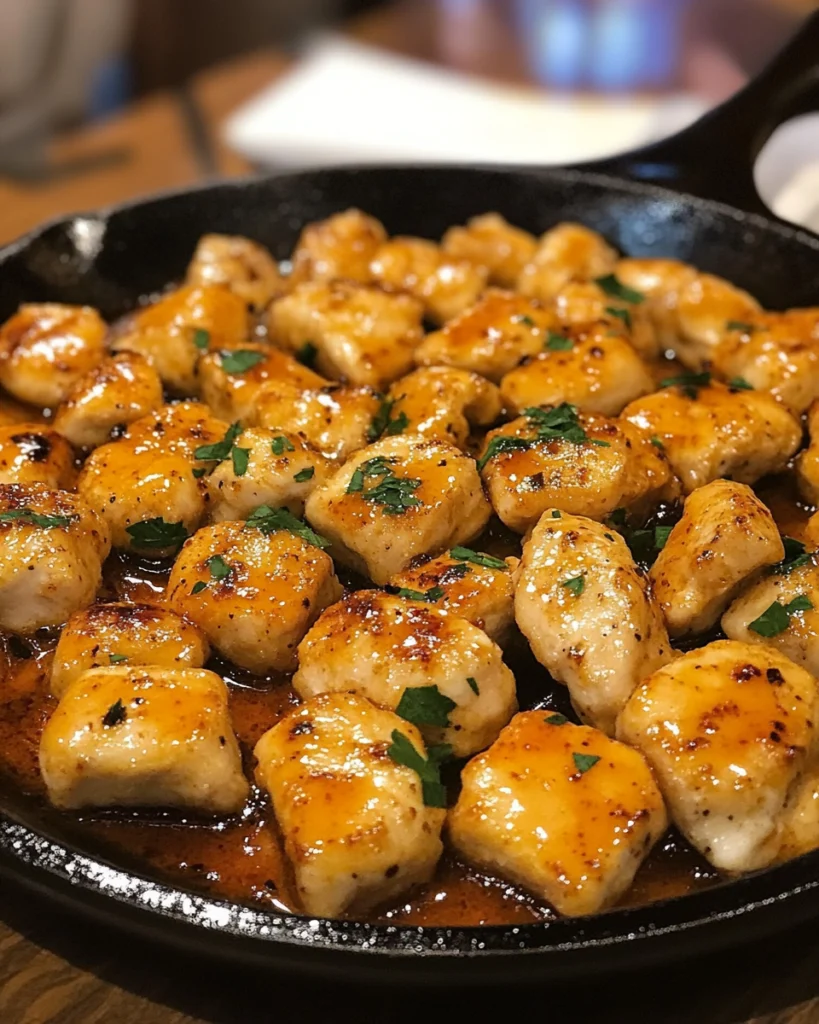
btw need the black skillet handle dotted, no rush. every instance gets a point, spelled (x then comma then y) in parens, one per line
(714, 158)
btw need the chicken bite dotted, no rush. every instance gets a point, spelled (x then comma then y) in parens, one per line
(147, 736)
(265, 468)
(432, 668)
(490, 338)
(583, 464)
(619, 310)
(588, 614)
(337, 419)
(242, 265)
(559, 809)
(352, 815)
(567, 252)
(662, 282)
(181, 428)
(709, 430)
(131, 634)
(728, 730)
(358, 334)
(173, 332)
(725, 537)
(473, 585)
(255, 588)
(491, 241)
(399, 498)
(706, 308)
(51, 555)
(807, 462)
(444, 285)
(46, 348)
(587, 365)
(31, 453)
(442, 403)
(340, 247)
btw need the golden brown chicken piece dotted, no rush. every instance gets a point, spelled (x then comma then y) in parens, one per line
(728, 730)
(559, 809)
(118, 391)
(242, 265)
(124, 634)
(181, 428)
(491, 241)
(567, 252)
(340, 247)
(432, 668)
(588, 365)
(352, 816)
(583, 464)
(444, 285)
(148, 736)
(399, 498)
(254, 588)
(357, 334)
(232, 381)
(662, 282)
(807, 462)
(473, 585)
(46, 348)
(31, 453)
(52, 546)
(725, 538)
(337, 419)
(490, 338)
(442, 403)
(709, 430)
(706, 308)
(588, 614)
(585, 302)
(175, 331)
(279, 469)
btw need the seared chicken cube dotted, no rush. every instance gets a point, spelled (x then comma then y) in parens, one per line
(173, 333)
(492, 337)
(45, 348)
(710, 431)
(118, 391)
(148, 736)
(266, 468)
(126, 634)
(442, 403)
(337, 419)
(51, 554)
(706, 307)
(662, 282)
(339, 247)
(559, 809)
(492, 242)
(432, 668)
(232, 381)
(807, 463)
(583, 464)
(242, 265)
(473, 585)
(352, 816)
(781, 610)
(31, 453)
(585, 302)
(182, 428)
(398, 499)
(587, 365)
(728, 730)
(568, 252)
(726, 536)
(444, 285)
(773, 352)
(254, 589)
(358, 334)
(588, 614)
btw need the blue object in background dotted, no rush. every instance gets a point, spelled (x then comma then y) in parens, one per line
(110, 88)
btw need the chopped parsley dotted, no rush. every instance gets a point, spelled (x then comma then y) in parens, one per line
(431, 595)
(556, 719)
(395, 493)
(575, 585)
(198, 587)
(661, 534)
(306, 355)
(556, 514)
(382, 423)
(473, 685)
(522, 318)
(240, 457)
(157, 533)
(583, 762)
(559, 342)
(689, 382)
(425, 705)
(201, 338)
(268, 520)
(657, 442)
(218, 567)
(32, 518)
(281, 444)
(478, 558)
(305, 474)
(740, 325)
(795, 556)
(644, 544)
(615, 288)
(741, 383)
(403, 752)
(115, 715)
(199, 472)
(501, 444)
(221, 449)
(621, 314)
(116, 659)
(776, 617)
(560, 423)
(240, 360)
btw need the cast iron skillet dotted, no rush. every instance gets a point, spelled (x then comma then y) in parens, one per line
(109, 259)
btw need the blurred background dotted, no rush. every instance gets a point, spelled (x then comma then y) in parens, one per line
(101, 100)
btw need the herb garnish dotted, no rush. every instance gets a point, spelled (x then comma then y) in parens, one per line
(657, 442)
(556, 514)
(198, 587)
(241, 360)
(575, 585)
(221, 449)
(268, 520)
(473, 685)
(395, 493)
(281, 444)
(583, 762)
(739, 325)
(115, 715)
(306, 355)
(201, 338)
(501, 444)
(795, 556)
(621, 314)
(560, 423)
(478, 558)
(776, 617)
(383, 424)
(240, 457)
(661, 535)
(559, 342)
(403, 752)
(740, 382)
(522, 318)
(115, 659)
(689, 382)
(156, 533)
(614, 287)
(27, 515)
(556, 719)
(305, 474)
(425, 705)
(431, 595)
(219, 568)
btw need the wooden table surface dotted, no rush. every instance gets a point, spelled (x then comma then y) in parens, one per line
(58, 968)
